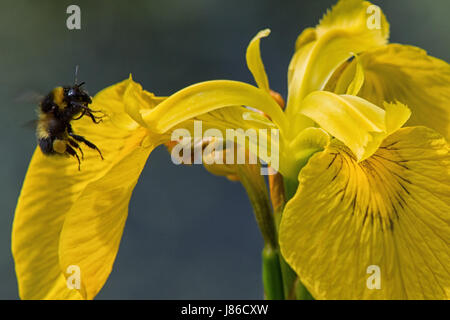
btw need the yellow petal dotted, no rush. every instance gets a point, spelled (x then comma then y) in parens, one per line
(308, 142)
(296, 71)
(38, 221)
(111, 101)
(342, 31)
(305, 144)
(136, 99)
(93, 227)
(308, 35)
(361, 125)
(51, 187)
(407, 74)
(391, 211)
(304, 44)
(397, 114)
(352, 85)
(355, 15)
(207, 96)
(254, 61)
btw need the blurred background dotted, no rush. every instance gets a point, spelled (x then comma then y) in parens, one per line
(189, 235)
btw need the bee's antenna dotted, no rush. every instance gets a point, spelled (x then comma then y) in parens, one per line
(76, 75)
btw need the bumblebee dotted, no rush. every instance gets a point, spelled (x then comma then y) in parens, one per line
(56, 112)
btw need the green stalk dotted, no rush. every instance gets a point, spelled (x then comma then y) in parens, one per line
(256, 188)
(271, 271)
(279, 280)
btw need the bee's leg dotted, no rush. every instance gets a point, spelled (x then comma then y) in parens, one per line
(82, 139)
(73, 153)
(93, 116)
(88, 143)
(94, 119)
(89, 112)
(77, 146)
(81, 116)
(97, 111)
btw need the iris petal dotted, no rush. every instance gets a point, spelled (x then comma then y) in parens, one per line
(93, 227)
(254, 61)
(390, 211)
(52, 186)
(407, 74)
(207, 96)
(361, 125)
(343, 30)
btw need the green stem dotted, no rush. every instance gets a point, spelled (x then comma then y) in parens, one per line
(256, 188)
(271, 271)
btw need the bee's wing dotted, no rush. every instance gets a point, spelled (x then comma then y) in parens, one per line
(32, 124)
(29, 97)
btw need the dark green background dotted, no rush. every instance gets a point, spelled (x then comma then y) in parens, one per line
(189, 234)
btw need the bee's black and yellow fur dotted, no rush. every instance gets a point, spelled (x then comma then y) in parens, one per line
(56, 111)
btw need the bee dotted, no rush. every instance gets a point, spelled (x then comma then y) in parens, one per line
(56, 111)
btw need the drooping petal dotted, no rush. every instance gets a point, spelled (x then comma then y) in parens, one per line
(254, 61)
(390, 212)
(361, 125)
(407, 74)
(38, 221)
(51, 187)
(93, 227)
(343, 30)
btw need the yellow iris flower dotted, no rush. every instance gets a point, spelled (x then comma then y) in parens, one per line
(362, 190)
